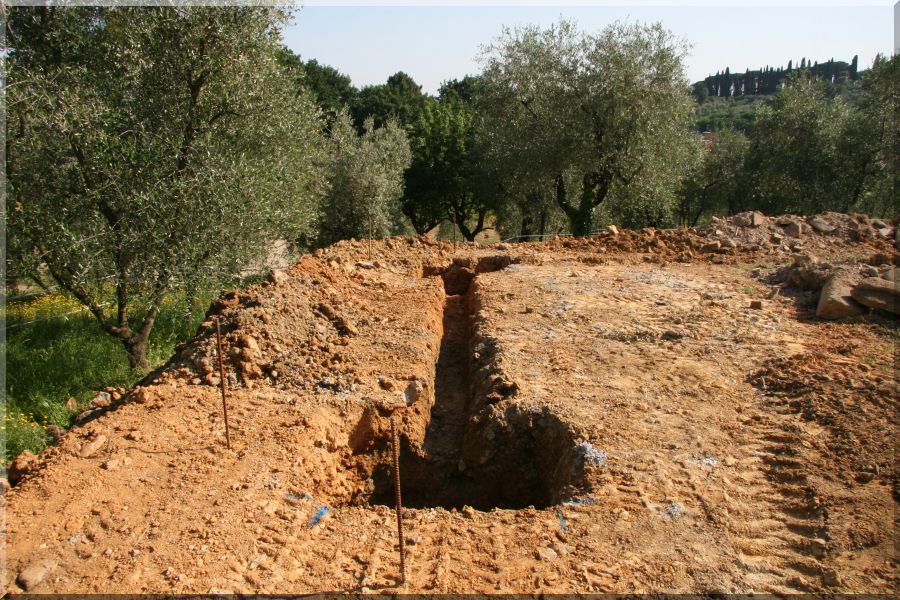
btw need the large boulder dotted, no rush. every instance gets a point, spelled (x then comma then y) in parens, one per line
(836, 301)
(878, 293)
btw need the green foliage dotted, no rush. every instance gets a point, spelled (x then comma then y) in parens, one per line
(464, 90)
(795, 162)
(717, 114)
(366, 181)
(331, 89)
(153, 149)
(612, 106)
(64, 355)
(401, 98)
(443, 181)
(874, 139)
(715, 184)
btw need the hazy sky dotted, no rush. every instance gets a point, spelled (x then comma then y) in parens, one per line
(370, 40)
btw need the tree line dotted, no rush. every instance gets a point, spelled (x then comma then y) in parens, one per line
(157, 149)
(768, 80)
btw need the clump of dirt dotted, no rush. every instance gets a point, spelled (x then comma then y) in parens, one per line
(635, 412)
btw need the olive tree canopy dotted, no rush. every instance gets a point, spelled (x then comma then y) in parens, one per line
(614, 107)
(151, 149)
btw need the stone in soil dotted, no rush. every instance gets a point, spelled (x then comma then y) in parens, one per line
(836, 301)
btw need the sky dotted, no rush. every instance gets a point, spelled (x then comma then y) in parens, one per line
(370, 40)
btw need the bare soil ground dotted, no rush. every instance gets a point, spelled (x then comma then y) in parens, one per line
(603, 415)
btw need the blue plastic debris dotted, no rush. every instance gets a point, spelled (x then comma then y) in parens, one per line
(585, 501)
(318, 516)
(562, 519)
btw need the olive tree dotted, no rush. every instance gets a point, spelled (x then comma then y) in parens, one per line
(151, 149)
(797, 160)
(366, 180)
(715, 184)
(876, 136)
(613, 107)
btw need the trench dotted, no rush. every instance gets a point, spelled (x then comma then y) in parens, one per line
(477, 450)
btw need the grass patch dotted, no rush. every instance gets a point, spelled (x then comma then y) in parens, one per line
(63, 353)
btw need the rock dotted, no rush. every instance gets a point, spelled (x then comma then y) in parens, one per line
(879, 224)
(563, 549)
(880, 259)
(869, 271)
(807, 273)
(101, 400)
(795, 229)
(386, 383)
(248, 342)
(741, 219)
(835, 301)
(72, 405)
(21, 466)
(749, 219)
(613, 229)
(820, 225)
(276, 277)
(877, 293)
(141, 395)
(546, 554)
(90, 448)
(413, 392)
(831, 577)
(886, 232)
(711, 247)
(756, 304)
(890, 274)
(55, 432)
(757, 219)
(32, 575)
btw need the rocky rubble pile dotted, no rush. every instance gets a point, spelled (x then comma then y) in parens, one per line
(847, 289)
(794, 234)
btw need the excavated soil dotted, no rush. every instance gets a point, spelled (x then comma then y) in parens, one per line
(576, 416)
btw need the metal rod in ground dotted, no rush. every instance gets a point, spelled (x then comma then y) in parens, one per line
(370, 236)
(222, 382)
(396, 450)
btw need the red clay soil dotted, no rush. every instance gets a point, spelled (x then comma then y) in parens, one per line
(604, 415)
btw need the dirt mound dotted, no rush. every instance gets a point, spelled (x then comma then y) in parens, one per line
(592, 415)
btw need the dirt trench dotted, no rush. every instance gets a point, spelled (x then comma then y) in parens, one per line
(479, 448)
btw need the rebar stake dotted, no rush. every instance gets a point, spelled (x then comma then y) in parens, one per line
(222, 382)
(396, 450)
(370, 235)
